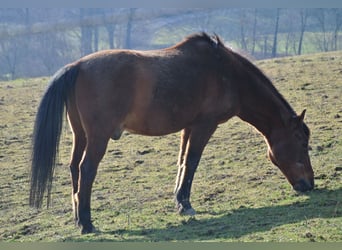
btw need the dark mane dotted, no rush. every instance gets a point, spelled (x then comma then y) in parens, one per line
(267, 83)
(202, 36)
(199, 36)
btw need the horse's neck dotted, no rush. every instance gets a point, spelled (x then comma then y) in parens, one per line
(261, 105)
(264, 112)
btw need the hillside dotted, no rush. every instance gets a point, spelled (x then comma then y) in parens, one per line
(238, 194)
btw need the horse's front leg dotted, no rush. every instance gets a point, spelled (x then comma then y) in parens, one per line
(185, 182)
(197, 140)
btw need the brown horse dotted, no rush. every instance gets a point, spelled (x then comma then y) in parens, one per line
(192, 86)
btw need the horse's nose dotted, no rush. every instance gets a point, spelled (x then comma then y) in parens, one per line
(304, 185)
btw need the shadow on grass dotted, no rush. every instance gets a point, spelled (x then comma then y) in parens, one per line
(321, 203)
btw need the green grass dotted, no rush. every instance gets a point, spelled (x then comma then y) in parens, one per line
(237, 193)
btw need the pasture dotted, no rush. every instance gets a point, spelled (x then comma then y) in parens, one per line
(237, 192)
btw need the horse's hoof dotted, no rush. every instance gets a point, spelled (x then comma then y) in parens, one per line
(88, 229)
(187, 211)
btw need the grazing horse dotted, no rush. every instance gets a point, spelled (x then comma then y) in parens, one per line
(190, 87)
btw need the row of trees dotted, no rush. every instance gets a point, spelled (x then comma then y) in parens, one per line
(35, 42)
(292, 24)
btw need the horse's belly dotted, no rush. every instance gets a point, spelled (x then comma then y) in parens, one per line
(155, 123)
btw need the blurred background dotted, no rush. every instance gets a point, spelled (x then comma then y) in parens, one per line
(37, 42)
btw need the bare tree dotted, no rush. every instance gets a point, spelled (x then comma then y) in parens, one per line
(129, 28)
(265, 47)
(110, 25)
(254, 31)
(337, 13)
(9, 53)
(303, 19)
(275, 38)
(321, 18)
(243, 24)
(52, 50)
(111, 31)
(96, 38)
(86, 34)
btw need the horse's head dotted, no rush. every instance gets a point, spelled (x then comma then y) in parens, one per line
(288, 150)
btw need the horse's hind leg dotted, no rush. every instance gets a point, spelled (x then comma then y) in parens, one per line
(183, 144)
(95, 150)
(78, 151)
(79, 144)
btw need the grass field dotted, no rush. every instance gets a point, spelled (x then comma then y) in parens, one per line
(238, 194)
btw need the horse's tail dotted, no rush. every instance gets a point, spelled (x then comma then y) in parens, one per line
(47, 130)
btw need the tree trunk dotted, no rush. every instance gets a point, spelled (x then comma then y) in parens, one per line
(321, 20)
(86, 36)
(96, 39)
(10, 59)
(287, 44)
(111, 30)
(303, 18)
(254, 30)
(242, 29)
(338, 24)
(275, 40)
(265, 46)
(129, 28)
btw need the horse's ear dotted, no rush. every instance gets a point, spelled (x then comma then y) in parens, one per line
(296, 121)
(302, 115)
(219, 40)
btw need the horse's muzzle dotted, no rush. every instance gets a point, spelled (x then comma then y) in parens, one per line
(304, 185)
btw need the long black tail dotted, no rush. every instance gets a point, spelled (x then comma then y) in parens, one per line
(47, 130)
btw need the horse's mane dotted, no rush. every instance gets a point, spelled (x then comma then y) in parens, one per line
(212, 41)
(265, 81)
(199, 36)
